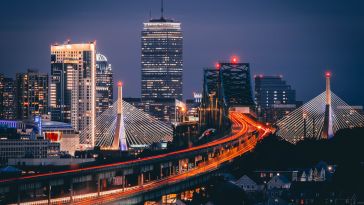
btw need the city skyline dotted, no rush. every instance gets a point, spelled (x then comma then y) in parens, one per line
(305, 39)
(181, 102)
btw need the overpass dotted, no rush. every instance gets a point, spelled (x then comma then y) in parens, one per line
(134, 181)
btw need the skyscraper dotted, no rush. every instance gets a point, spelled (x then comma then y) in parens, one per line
(7, 98)
(104, 84)
(161, 59)
(162, 67)
(1, 95)
(31, 94)
(273, 97)
(73, 85)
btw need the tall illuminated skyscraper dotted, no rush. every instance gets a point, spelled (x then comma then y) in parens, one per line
(73, 85)
(162, 60)
(104, 84)
(31, 94)
(162, 67)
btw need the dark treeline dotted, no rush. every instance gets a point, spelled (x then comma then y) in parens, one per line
(345, 150)
(347, 147)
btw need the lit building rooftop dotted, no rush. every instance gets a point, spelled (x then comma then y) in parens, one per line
(161, 20)
(55, 125)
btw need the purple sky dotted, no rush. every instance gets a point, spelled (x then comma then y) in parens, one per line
(298, 39)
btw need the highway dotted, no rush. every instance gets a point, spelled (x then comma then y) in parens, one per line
(242, 124)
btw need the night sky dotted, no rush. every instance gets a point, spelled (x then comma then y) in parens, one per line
(298, 39)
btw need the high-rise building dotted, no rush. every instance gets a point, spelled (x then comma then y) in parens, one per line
(31, 94)
(7, 98)
(73, 86)
(162, 67)
(271, 93)
(1, 95)
(162, 60)
(1, 91)
(104, 84)
(163, 109)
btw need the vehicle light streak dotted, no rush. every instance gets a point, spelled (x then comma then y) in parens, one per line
(241, 121)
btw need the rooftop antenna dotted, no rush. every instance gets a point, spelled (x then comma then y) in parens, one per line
(150, 14)
(162, 8)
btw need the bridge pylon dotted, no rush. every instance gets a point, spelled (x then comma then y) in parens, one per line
(327, 131)
(119, 140)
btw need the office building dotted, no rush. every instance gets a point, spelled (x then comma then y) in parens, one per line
(73, 86)
(277, 111)
(31, 94)
(274, 97)
(162, 60)
(167, 110)
(20, 148)
(104, 84)
(193, 106)
(62, 133)
(7, 98)
(162, 67)
(1, 94)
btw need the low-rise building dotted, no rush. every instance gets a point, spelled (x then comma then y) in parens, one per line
(248, 184)
(278, 182)
(48, 161)
(62, 133)
(21, 148)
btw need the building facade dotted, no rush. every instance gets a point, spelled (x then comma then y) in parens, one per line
(163, 109)
(7, 98)
(162, 59)
(18, 148)
(193, 106)
(73, 86)
(104, 84)
(31, 94)
(1, 94)
(274, 97)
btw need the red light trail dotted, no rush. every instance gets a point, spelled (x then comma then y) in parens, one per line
(241, 121)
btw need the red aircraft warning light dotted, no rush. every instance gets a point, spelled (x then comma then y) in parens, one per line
(120, 83)
(328, 74)
(217, 65)
(234, 59)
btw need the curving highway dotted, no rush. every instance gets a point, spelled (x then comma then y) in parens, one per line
(242, 125)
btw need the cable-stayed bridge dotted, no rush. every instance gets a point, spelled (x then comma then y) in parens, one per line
(141, 129)
(124, 126)
(320, 118)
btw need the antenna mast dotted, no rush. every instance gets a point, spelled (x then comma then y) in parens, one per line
(162, 8)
